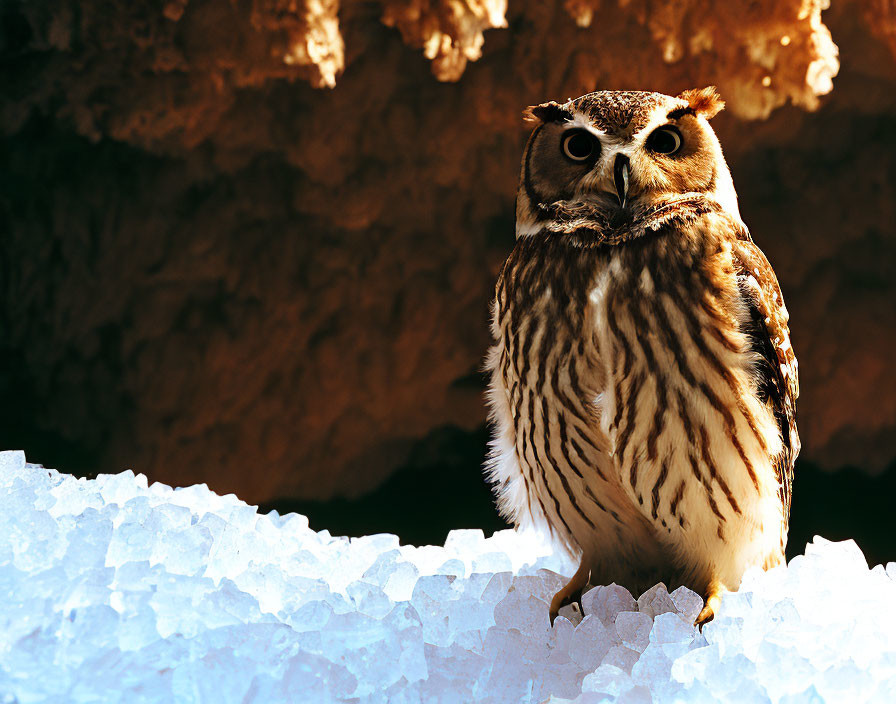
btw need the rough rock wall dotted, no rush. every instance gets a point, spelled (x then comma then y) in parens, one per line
(169, 76)
(214, 268)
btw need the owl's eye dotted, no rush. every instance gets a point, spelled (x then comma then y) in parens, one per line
(665, 140)
(580, 145)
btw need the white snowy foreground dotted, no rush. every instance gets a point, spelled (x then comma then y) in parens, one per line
(111, 590)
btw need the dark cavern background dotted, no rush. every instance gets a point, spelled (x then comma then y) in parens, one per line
(253, 243)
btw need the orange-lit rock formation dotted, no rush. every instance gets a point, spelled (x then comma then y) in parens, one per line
(216, 266)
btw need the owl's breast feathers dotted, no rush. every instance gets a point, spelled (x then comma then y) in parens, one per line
(643, 382)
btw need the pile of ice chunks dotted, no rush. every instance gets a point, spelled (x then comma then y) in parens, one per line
(115, 590)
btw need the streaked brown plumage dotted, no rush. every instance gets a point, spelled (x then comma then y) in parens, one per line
(643, 384)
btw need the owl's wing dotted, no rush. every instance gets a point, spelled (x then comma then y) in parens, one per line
(770, 339)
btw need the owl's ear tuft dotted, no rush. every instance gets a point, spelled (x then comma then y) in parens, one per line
(704, 101)
(547, 112)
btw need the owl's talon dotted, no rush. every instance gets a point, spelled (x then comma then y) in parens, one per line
(572, 592)
(562, 599)
(713, 600)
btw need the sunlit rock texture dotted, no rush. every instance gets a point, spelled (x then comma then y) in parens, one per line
(256, 241)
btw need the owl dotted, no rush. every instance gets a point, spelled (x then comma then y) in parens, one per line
(643, 384)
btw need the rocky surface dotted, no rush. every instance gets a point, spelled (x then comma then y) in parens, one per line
(213, 258)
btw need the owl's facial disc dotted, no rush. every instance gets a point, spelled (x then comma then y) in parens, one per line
(612, 156)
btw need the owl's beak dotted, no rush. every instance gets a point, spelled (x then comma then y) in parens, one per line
(620, 177)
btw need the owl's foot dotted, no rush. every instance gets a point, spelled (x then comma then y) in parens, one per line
(712, 602)
(571, 592)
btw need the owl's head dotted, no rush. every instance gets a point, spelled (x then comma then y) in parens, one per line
(619, 152)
